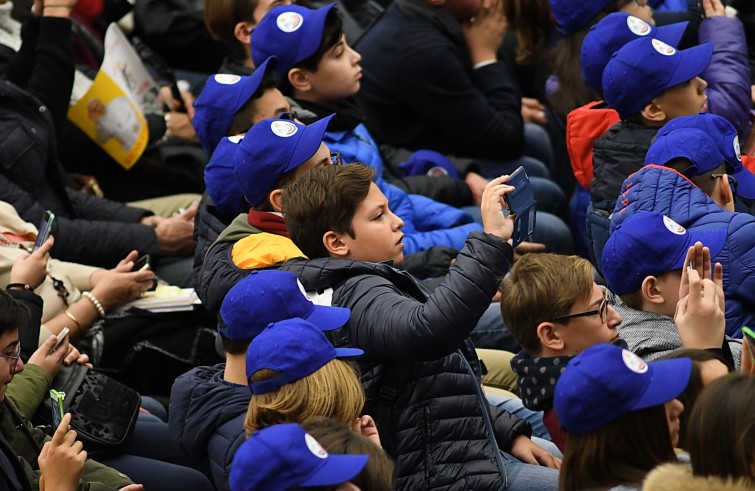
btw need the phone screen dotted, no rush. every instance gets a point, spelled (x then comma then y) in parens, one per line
(45, 228)
(56, 400)
(141, 264)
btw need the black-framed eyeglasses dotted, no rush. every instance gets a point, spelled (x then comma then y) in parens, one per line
(290, 115)
(732, 181)
(14, 357)
(335, 158)
(602, 311)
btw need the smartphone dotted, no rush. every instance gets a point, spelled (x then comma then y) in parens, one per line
(522, 205)
(56, 401)
(45, 228)
(141, 264)
(61, 337)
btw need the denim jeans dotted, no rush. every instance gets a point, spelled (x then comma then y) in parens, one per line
(528, 477)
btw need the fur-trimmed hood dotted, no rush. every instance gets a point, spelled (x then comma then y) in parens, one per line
(675, 477)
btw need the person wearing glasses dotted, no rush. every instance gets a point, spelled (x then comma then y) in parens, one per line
(555, 310)
(687, 177)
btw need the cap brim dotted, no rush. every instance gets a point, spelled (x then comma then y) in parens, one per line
(309, 142)
(671, 34)
(348, 352)
(336, 469)
(692, 63)
(313, 28)
(714, 239)
(746, 184)
(668, 379)
(329, 318)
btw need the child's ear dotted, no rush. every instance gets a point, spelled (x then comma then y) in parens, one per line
(334, 245)
(725, 193)
(549, 336)
(243, 32)
(650, 290)
(654, 112)
(276, 200)
(299, 80)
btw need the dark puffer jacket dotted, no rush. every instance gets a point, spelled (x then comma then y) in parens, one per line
(444, 434)
(207, 419)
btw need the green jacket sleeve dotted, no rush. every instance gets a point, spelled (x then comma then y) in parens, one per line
(28, 388)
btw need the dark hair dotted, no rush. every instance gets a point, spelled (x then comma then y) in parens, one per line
(232, 346)
(324, 199)
(337, 438)
(689, 395)
(531, 21)
(721, 432)
(221, 17)
(244, 117)
(332, 33)
(703, 181)
(621, 452)
(566, 65)
(13, 314)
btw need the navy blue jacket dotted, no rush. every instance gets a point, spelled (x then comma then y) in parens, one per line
(661, 189)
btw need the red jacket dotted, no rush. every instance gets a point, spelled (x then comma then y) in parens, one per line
(584, 125)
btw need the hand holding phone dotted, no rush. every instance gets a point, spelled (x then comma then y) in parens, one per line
(141, 264)
(61, 338)
(522, 205)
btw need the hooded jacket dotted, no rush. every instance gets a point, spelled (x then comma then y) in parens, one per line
(207, 419)
(444, 433)
(661, 189)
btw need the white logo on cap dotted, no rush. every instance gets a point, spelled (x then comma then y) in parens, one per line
(236, 139)
(673, 227)
(315, 447)
(638, 26)
(663, 48)
(634, 362)
(737, 149)
(284, 129)
(227, 79)
(289, 21)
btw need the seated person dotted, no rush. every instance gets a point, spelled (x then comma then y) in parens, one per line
(643, 263)
(690, 185)
(286, 458)
(208, 404)
(621, 415)
(416, 353)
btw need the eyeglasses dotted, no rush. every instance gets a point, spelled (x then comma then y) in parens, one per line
(602, 311)
(14, 357)
(732, 181)
(335, 158)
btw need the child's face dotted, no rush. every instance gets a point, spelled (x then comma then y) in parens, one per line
(685, 99)
(377, 231)
(338, 75)
(270, 106)
(582, 332)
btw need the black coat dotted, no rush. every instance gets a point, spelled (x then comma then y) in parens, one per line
(33, 103)
(444, 434)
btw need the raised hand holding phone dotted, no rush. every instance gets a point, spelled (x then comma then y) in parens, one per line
(493, 220)
(521, 203)
(31, 269)
(62, 459)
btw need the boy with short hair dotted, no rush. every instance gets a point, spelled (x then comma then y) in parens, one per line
(688, 182)
(208, 404)
(420, 375)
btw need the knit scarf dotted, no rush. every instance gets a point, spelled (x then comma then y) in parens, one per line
(268, 222)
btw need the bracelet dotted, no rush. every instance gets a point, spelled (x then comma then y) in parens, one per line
(18, 286)
(73, 318)
(95, 302)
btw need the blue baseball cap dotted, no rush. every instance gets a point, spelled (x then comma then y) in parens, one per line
(219, 180)
(296, 348)
(267, 296)
(221, 98)
(283, 457)
(691, 144)
(574, 15)
(271, 148)
(651, 244)
(614, 31)
(723, 133)
(645, 67)
(605, 382)
(289, 32)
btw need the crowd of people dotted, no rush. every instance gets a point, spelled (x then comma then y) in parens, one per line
(333, 180)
